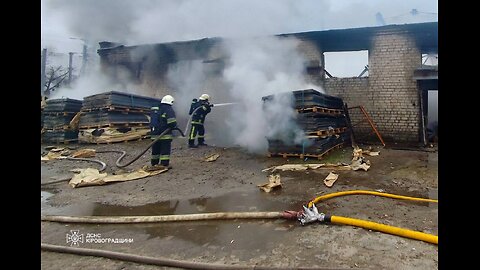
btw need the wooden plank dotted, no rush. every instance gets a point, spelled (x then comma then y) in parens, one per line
(117, 125)
(122, 109)
(302, 156)
(320, 110)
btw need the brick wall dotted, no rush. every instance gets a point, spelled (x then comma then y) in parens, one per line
(389, 94)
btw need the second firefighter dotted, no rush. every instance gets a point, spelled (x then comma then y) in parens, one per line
(199, 110)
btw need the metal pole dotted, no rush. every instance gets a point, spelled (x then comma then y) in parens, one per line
(70, 56)
(43, 68)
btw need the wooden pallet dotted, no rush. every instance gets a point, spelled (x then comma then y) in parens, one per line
(122, 141)
(117, 125)
(327, 132)
(64, 127)
(302, 156)
(321, 110)
(122, 109)
(58, 113)
(61, 142)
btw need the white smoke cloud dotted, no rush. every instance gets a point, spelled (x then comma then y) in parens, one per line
(152, 21)
(186, 78)
(261, 67)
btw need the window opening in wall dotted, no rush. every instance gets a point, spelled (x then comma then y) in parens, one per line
(430, 59)
(347, 64)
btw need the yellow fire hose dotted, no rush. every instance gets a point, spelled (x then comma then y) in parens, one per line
(429, 238)
(367, 192)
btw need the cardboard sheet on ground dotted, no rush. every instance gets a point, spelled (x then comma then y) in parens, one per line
(59, 153)
(273, 182)
(211, 157)
(51, 155)
(358, 163)
(304, 167)
(92, 177)
(330, 179)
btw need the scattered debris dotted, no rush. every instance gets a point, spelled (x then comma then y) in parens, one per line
(304, 167)
(57, 154)
(273, 182)
(84, 153)
(360, 164)
(371, 153)
(112, 134)
(211, 157)
(62, 153)
(92, 177)
(358, 160)
(330, 179)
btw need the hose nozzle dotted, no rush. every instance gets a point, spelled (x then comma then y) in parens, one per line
(310, 214)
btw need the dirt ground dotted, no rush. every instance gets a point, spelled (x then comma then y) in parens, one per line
(229, 184)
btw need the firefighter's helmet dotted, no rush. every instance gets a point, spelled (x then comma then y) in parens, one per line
(204, 97)
(168, 100)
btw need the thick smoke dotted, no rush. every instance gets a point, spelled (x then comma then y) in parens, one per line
(261, 67)
(154, 21)
(186, 79)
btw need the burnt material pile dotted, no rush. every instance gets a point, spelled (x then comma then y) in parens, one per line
(57, 115)
(322, 121)
(115, 117)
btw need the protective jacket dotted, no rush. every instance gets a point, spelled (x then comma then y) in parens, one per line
(200, 109)
(161, 118)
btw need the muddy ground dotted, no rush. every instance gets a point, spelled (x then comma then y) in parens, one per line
(230, 184)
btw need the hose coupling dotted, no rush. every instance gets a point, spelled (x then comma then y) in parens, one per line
(289, 214)
(310, 214)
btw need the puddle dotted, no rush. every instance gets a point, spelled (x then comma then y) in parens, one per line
(241, 233)
(232, 202)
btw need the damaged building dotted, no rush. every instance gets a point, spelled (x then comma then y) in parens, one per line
(395, 92)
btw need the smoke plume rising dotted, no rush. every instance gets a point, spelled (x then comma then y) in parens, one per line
(260, 67)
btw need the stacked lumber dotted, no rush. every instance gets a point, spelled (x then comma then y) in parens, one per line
(322, 121)
(115, 117)
(56, 118)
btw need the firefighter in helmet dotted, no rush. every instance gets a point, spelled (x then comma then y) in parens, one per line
(199, 110)
(162, 118)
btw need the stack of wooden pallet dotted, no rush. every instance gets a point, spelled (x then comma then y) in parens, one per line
(115, 117)
(57, 115)
(322, 120)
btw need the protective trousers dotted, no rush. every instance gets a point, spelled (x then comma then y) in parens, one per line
(161, 152)
(196, 131)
